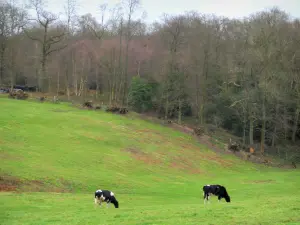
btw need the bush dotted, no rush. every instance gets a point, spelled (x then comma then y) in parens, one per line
(123, 110)
(117, 109)
(88, 104)
(234, 146)
(18, 94)
(42, 99)
(199, 131)
(112, 109)
(140, 94)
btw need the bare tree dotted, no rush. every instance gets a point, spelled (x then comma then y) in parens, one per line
(12, 19)
(131, 6)
(48, 39)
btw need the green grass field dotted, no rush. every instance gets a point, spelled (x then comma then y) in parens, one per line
(54, 156)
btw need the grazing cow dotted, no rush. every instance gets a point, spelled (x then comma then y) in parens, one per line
(106, 196)
(217, 190)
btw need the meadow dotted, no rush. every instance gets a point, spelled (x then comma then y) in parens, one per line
(55, 156)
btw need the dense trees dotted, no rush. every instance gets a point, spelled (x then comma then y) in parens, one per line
(242, 75)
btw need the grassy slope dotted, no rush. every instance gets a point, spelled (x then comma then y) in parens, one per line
(157, 173)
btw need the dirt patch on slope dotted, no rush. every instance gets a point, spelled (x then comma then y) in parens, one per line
(260, 182)
(10, 183)
(186, 167)
(143, 156)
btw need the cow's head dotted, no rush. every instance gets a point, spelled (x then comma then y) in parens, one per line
(227, 198)
(116, 203)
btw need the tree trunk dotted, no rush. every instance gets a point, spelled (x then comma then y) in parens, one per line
(167, 108)
(263, 130)
(201, 114)
(67, 83)
(179, 111)
(43, 74)
(197, 95)
(285, 123)
(118, 91)
(251, 129)
(75, 78)
(244, 127)
(139, 67)
(275, 126)
(2, 65)
(97, 82)
(295, 126)
(49, 83)
(203, 87)
(124, 97)
(12, 69)
(57, 88)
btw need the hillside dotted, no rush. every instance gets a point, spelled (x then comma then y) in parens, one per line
(49, 151)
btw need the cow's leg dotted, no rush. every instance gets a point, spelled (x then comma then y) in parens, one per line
(97, 201)
(204, 196)
(107, 205)
(219, 198)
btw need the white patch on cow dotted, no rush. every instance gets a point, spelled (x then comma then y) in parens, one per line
(99, 190)
(102, 197)
(98, 201)
(111, 193)
(208, 185)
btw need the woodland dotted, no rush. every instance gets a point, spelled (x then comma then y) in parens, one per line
(241, 75)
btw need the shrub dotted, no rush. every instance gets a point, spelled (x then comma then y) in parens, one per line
(18, 94)
(140, 94)
(88, 104)
(199, 131)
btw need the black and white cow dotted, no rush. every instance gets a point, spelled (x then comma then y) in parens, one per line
(106, 196)
(217, 190)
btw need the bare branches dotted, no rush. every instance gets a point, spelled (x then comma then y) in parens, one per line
(48, 37)
(70, 11)
(32, 37)
(57, 49)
